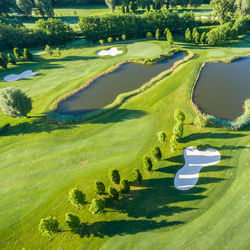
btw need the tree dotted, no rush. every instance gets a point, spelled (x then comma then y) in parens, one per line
(123, 8)
(48, 226)
(194, 33)
(137, 175)
(97, 206)
(115, 176)
(148, 7)
(179, 116)
(125, 186)
(203, 38)
(173, 142)
(169, 38)
(25, 6)
(149, 35)
(27, 55)
(199, 121)
(4, 6)
(127, 9)
(110, 4)
(113, 193)
(48, 8)
(99, 187)
(48, 50)
(11, 59)
(58, 52)
(197, 38)
(77, 198)
(73, 221)
(224, 9)
(147, 163)
(188, 36)
(195, 3)
(157, 153)
(133, 6)
(124, 37)
(17, 53)
(110, 39)
(243, 7)
(40, 7)
(158, 34)
(3, 61)
(161, 136)
(14, 102)
(178, 130)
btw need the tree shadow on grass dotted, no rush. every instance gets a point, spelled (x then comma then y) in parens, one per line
(120, 227)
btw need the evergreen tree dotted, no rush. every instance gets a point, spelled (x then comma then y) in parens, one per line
(162, 136)
(170, 38)
(115, 176)
(77, 198)
(11, 59)
(3, 61)
(188, 36)
(137, 175)
(203, 38)
(110, 4)
(178, 130)
(179, 116)
(25, 6)
(125, 186)
(73, 221)
(97, 206)
(113, 193)
(27, 55)
(147, 163)
(99, 187)
(157, 153)
(158, 34)
(48, 226)
(197, 38)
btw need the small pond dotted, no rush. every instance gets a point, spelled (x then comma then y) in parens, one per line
(105, 89)
(222, 88)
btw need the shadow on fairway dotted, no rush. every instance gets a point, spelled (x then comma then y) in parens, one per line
(121, 227)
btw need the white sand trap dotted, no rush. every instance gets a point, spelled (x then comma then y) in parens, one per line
(14, 77)
(109, 52)
(195, 160)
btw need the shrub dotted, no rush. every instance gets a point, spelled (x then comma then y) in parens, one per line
(179, 116)
(14, 102)
(99, 187)
(77, 198)
(124, 37)
(178, 130)
(125, 186)
(162, 136)
(48, 50)
(97, 206)
(11, 59)
(188, 36)
(137, 175)
(173, 142)
(73, 221)
(27, 55)
(149, 35)
(17, 53)
(169, 38)
(3, 61)
(113, 193)
(199, 121)
(110, 39)
(158, 34)
(115, 176)
(48, 226)
(101, 41)
(147, 163)
(157, 153)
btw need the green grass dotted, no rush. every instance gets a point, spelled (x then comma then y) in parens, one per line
(42, 161)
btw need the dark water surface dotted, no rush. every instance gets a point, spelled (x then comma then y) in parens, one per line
(104, 90)
(222, 88)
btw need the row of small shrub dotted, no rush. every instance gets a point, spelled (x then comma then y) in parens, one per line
(134, 26)
(52, 31)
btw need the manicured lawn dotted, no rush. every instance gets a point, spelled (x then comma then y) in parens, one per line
(42, 161)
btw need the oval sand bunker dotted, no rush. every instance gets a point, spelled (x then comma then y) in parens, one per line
(109, 52)
(195, 160)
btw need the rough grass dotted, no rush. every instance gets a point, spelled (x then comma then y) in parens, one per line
(43, 161)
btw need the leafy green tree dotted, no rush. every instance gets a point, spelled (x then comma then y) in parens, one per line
(127, 9)
(48, 50)
(179, 116)
(197, 38)
(113, 193)
(195, 3)
(188, 36)
(124, 37)
(133, 6)
(158, 34)
(157, 153)
(40, 7)
(97, 206)
(148, 7)
(173, 142)
(199, 121)
(73, 221)
(58, 52)
(110, 39)
(11, 59)
(14, 102)
(99, 187)
(147, 163)
(203, 38)
(110, 4)
(5, 7)
(27, 55)
(178, 130)
(224, 9)
(169, 38)
(115, 176)
(194, 33)
(25, 6)
(17, 53)
(162, 136)
(149, 35)
(77, 198)
(125, 186)
(123, 8)
(101, 41)
(3, 61)
(243, 7)
(48, 8)
(165, 32)
(137, 175)
(48, 226)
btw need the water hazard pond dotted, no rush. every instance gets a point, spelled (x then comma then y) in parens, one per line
(222, 88)
(105, 89)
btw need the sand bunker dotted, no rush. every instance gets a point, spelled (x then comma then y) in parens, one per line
(109, 52)
(195, 160)
(14, 77)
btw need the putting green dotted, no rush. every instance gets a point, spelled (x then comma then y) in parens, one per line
(216, 53)
(143, 49)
